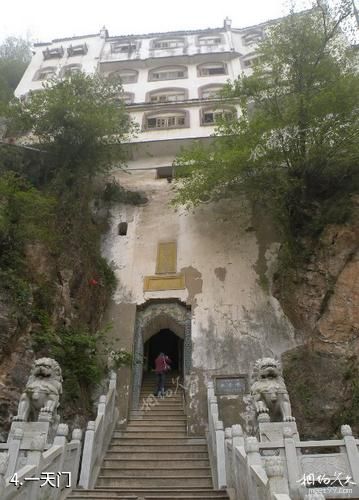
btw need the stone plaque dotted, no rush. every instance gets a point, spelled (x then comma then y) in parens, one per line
(274, 431)
(166, 258)
(158, 283)
(231, 385)
(329, 464)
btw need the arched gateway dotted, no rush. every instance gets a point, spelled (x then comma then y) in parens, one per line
(160, 326)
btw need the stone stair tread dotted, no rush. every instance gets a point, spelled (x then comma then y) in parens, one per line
(153, 458)
(106, 467)
(162, 489)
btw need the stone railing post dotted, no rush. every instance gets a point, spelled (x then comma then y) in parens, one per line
(76, 439)
(237, 440)
(237, 436)
(292, 461)
(14, 448)
(213, 405)
(352, 451)
(86, 467)
(112, 386)
(34, 458)
(61, 440)
(228, 452)
(101, 411)
(4, 461)
(274, 468)
(251, 446)
(210, 390)
(221, 466)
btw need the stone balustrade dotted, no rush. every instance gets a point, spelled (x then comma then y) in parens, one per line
(279, 465)
(34, 467)
(98, 436)
(215, 438)
(32, 470)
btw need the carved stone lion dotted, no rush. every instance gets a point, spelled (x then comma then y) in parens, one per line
(42, 391)
(269, 391)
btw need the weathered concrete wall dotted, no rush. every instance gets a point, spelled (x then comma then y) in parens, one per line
(122, 316)
(235, 319)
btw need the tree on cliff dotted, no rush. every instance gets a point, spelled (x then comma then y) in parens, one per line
(14, 56)
(294, 148)
(74, 128)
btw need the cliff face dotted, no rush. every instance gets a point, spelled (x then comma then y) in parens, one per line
(321, 298)
(73, 301)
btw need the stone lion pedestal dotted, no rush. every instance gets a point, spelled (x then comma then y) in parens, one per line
(275, 431)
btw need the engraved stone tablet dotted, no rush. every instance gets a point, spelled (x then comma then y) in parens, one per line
(231, 386)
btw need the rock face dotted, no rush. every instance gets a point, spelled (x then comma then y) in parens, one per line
(73, 301)
(321, 298)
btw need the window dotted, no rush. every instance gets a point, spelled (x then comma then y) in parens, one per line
(209, 69)
(169, 73)
(127, 75)
(210, 91)
(71, 69)
(128, 97)
(45, 73)
(167, 95)
(123, 47)
(53, 53)
(122, 228)
(248, 63)
(166, 120)
(211, 116)
(125, 98)
(168, 44)
(209, 40)
(77, 50)
(252, 38)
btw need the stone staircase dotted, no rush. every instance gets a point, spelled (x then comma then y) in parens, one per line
(153, 459)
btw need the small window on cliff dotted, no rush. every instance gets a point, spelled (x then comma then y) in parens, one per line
(122, 228)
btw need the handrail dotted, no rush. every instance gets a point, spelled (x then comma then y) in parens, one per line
(98, 436)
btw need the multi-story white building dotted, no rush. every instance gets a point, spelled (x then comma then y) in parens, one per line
(189, 283)
(171, 80)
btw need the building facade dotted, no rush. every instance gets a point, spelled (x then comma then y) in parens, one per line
(193, 284)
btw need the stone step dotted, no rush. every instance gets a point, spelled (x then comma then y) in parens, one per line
(154, 462)
(158, 412)
(175, 496)
(156, 481)
(89, 495)
(162, 408)
(161, 455)
(158, 402)
(170, 393)
(140, 447)
(148, 472)
(170, 496)
(149, 420)
(151, 434)
(93, 495)
(155, 415)
(162, 492)
(163, 441)
(154, 426)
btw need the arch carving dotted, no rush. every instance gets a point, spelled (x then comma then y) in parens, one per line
(149, 320)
